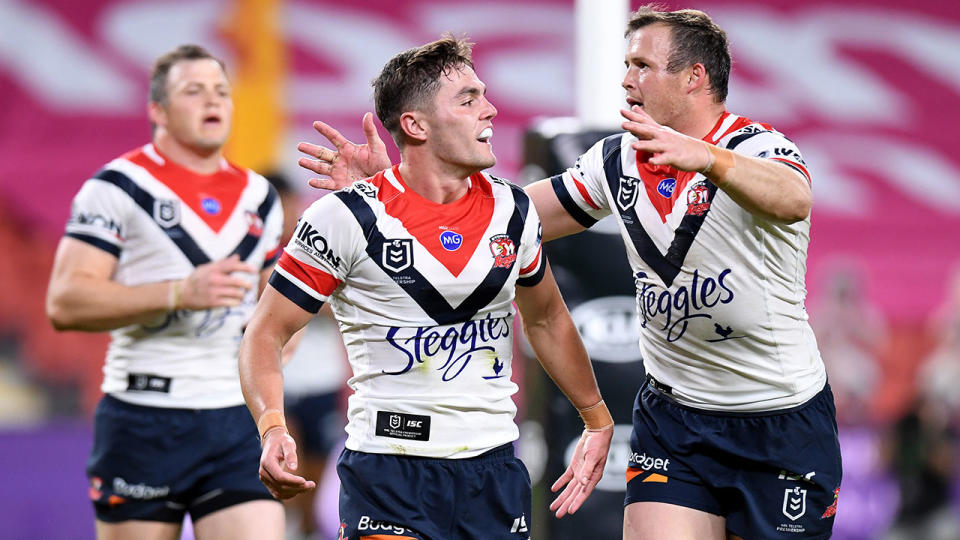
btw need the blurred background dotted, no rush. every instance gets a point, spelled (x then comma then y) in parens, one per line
(867, 89)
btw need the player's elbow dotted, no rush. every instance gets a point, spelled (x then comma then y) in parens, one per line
(798, 211)
(59, 314)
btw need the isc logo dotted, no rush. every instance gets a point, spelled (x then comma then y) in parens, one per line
(450, 240)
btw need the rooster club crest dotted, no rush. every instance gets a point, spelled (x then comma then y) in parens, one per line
(166, 212)
(698, 199)
(255, 223)
(794, 503)
(832, 509)
(627, 192)
(398, 254)
(503, 250)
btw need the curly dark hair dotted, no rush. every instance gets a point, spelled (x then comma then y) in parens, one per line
(411, 79)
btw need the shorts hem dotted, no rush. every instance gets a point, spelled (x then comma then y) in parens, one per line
(226, 500)
(677, 501)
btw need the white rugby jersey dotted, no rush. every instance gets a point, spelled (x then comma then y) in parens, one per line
(423, 295)
(719, 292)
(161, 221)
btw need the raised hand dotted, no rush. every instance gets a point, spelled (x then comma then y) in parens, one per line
(667, 146)
(584, 471)
(214, 285)
(349, 162)
(278, 459)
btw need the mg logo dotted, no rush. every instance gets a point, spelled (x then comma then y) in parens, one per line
(450, 240)
(398, 254)
(794, 503)
(394, 421)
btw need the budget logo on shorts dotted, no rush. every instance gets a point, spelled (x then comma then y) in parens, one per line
(794, 503)
(166, 212)
(627, 192)
(398, 254)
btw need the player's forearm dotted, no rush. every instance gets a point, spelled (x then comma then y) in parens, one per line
(261, 375)
(561, 353)
(96, 305)
(764, 188)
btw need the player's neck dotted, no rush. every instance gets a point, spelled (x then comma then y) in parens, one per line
(701, 120)
(196, 160)
(433, 182)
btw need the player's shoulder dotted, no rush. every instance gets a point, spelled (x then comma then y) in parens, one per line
(500, 188)
(735, 131)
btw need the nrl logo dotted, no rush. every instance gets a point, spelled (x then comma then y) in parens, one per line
(794, 503)
(627, 192)
(394, 421)
(166, 212)
(398, 254)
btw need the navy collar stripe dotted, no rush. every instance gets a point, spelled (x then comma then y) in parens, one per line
(177, 234)
(666, 266)
(146, 201)
(249, 242)
(414, 283)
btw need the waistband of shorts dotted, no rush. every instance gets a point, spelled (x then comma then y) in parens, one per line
(499, 454)
(114, 401)
(665, 392)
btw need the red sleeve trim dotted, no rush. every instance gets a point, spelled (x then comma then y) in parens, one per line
(316, 279)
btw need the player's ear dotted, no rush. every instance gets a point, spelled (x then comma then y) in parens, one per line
(157, 114)
(697, 77)
(414, 125)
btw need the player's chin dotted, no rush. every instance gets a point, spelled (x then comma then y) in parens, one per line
(212, 142)
(489, 160)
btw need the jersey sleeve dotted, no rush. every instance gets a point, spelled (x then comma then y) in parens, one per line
(580, 188)
(773, 145)
(273, 231)
(98, 216)
(319, 255)
(532, 259)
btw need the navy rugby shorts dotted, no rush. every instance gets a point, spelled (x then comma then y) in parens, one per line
(320, 420)
(386, 495)
(156, 464)
(770, 474)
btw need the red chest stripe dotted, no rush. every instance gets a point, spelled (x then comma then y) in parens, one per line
(212, 197)
(426, 220)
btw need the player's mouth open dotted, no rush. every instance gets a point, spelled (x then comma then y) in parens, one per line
(631, 102)
(485, 135)
(211, 120)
